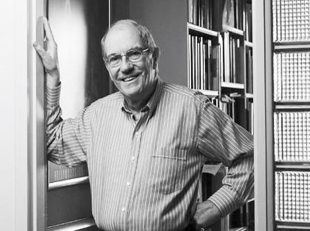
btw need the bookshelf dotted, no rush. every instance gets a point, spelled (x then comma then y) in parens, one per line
(220, 65)
(291, 114)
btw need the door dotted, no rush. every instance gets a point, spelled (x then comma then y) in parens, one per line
(78, 26)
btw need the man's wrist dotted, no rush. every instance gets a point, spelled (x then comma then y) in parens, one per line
(206, 215)
(53, 78)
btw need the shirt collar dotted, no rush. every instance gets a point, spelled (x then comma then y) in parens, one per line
(153, 101)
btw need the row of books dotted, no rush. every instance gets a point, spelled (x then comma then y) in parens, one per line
(59, 172)
(292, 196)
(216, 14)
(233, 59)
(291, 20)
(203, 64)
(292, 76)
(204, 68)
(200, 12)
(249, 69)
(233, 13)
(291, 136)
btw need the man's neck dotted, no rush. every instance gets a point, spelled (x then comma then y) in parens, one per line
(136, 105)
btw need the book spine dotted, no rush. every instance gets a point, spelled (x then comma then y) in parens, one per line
(226, 52)
(189, 61)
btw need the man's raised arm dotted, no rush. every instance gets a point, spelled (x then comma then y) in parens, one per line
(67, 140)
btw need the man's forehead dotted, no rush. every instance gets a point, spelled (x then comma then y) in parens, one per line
(122, 35)
(123, 29)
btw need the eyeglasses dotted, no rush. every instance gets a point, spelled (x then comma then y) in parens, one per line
(133, 55)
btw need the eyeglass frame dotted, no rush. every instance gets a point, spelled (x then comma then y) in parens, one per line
(143, 51)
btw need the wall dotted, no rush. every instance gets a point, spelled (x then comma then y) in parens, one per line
(167, 22)
(13, 101)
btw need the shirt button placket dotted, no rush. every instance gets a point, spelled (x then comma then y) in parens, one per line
(134, 153)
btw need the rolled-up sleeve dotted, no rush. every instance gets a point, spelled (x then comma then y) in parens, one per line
(67, 140)
(220, 139)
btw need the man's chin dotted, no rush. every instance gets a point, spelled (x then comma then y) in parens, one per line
(130, 93)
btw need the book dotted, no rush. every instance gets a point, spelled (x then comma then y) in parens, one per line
(233, 59)
(226, 56)
(189, 60)
(198, 63)
(248, 22)
(250, 117)
(228, 13)
(215, 67)
(209, 60)
(200, 13)
(249, 70)
(190, 11)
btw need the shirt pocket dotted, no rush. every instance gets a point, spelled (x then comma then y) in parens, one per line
(167, 170)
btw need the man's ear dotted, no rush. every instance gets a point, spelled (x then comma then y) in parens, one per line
(155, 57)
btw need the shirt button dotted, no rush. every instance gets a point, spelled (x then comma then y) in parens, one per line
(128, 183)
(123, 209)
(132, 158)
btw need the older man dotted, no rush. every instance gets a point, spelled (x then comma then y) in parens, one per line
(146, 144)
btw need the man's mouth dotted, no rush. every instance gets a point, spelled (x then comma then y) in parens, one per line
(129, 78)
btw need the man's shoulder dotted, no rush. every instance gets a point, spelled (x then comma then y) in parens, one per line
(112, 100)
(183, 92)
(178, 90)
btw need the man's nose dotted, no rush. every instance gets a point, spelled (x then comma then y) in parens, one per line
(126, 65)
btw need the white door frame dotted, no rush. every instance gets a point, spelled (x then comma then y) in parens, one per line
(36, 125)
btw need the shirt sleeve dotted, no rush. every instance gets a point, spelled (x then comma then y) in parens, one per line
(220, 139)
(67, 140)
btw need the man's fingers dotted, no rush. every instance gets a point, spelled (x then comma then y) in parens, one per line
(48, 31)
(39, 49)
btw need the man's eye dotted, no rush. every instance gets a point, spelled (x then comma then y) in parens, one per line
(134, 54)
(114, 59)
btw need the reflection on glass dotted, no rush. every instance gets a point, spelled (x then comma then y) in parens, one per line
(78, 26)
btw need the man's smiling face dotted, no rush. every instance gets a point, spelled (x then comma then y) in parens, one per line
(133, 79)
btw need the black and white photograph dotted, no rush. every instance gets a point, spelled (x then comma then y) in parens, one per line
(155, 115)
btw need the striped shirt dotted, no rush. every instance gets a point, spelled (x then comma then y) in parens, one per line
(144, 174)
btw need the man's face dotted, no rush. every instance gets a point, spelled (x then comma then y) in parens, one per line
(135, 79)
